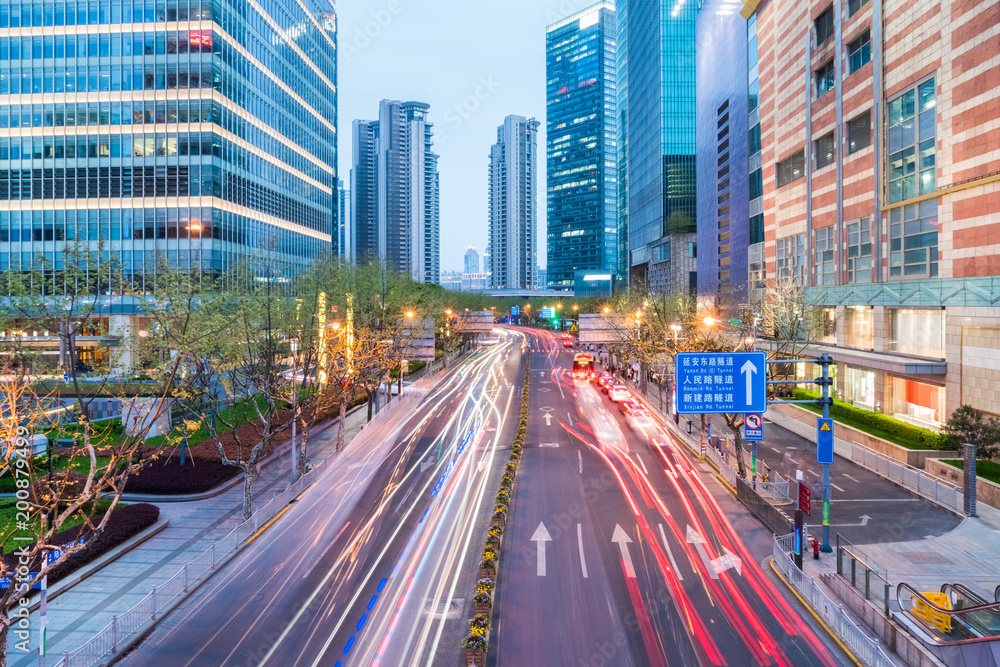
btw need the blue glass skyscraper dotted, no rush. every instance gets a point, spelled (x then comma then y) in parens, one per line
(658, 59)
(581, 146)
(202, 132)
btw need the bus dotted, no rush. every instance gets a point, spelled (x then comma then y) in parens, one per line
(583, 367)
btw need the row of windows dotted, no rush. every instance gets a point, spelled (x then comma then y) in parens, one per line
(859, 54)
(159, 112)
(102, 12)
(859, 135)
(824, 23)
(102, 46)
(83, 79)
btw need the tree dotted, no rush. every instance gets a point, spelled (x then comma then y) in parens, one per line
(969, 425)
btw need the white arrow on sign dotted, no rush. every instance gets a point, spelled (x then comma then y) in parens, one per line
(749, 368)
(726, 561)
(540, 537)
(623, 540)
(699, 544)
(548, 419)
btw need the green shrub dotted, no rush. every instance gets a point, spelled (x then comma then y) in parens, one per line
(879, 423)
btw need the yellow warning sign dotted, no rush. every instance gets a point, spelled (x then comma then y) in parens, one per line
(825, 426)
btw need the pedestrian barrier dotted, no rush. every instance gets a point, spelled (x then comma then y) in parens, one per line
(864, 574)
(943, 493)
(865, 648)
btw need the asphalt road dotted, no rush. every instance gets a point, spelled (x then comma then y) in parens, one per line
(372, 565)
(617, 551)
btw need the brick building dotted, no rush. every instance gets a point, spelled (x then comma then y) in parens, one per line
(879, 163)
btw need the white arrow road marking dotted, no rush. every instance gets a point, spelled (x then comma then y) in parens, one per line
(579, 543)
(623, 540)
(546, 381)
(864, 522)
(639, 459)
(865, 519)
(544, 389)
(548, 419)
(579, 458)
(699, 544)
(548, 444)
(546, 409)
(425, 465)
(726, 561)
(540, 537)
(670, 554)
(749, 368)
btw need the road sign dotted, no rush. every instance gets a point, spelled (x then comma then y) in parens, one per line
(805, 498)
(718, 382)
(753, 428)
(515, 310)
(548, 312)
(824, 440)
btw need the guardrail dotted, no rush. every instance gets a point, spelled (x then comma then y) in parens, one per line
(865, 648)
(939, 491)
(871, 580)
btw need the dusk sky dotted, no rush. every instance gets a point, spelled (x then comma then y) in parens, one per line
(474, 63)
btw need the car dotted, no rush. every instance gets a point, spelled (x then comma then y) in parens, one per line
(629, 407)
(619, 392)
(641, 420)
(567, 341)
(605, 381)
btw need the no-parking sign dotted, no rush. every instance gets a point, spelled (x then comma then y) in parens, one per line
(753, 428)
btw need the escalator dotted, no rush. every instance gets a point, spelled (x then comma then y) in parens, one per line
(957, 624)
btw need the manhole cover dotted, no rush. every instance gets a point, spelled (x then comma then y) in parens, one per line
(443, 607)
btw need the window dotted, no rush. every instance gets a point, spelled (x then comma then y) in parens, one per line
(860, 321)
(854, 6)
(825, 150)
(828, 322)
(692, 250)
(859, 52)
(790, 258)
(916, 402)
(913, 240)
(824, 79)
(825, 253)
(791, 168)
(824, 26)
(756, 268)
(859, 388)
(661, 253)
(756, 184)
(859, 132)
(918, 332)
(859, 251)
(911, 143)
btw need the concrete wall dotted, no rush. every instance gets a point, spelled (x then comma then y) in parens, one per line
(913, 457)
(986, 491)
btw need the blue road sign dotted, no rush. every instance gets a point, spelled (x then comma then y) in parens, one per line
(718, 382)
(824, 440)
(753, 428)
(515, 310)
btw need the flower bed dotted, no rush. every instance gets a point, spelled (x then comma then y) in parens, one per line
(477, 640)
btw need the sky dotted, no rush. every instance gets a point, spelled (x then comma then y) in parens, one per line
(475, 62)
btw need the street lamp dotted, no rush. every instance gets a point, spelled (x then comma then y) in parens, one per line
(606, 310)
(711, 321)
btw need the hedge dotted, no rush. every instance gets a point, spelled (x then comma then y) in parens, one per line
(880, 423)
(174, 479)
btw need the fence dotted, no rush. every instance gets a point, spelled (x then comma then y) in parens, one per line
(865, 648)
(864, 574)
(914, 479)
(772, 517)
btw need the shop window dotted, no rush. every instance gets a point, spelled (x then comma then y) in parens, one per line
(828, 326)
(917, 403)
(859, 323)
(858, 388)
(918, 332)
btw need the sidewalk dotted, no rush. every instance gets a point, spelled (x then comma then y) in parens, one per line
(76, 615)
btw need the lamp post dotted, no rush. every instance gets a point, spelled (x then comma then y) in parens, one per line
(399, 390)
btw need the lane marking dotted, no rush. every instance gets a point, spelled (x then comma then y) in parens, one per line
(670, 554)
(579, 458)
(639, 459)
(548, 444)
(856, 481)
(327, 550)
(579, 542)
(813, 473)
(837, 487)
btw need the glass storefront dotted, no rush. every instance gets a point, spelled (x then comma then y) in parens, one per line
(917, 403)
(828, 331)
(918, 332)
(859, 388)
(860, 321)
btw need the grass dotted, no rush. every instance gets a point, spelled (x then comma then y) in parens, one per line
(895, 439)
(40, 468)
(985, 469)
(8, 519)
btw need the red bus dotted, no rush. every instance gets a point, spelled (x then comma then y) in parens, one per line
(583, 367)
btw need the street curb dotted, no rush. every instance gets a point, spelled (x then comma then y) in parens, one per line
(819, 620)
(97, 565)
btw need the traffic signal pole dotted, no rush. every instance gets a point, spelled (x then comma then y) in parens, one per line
(825, 382)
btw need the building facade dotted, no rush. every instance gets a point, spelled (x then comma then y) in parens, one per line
(880, 154)
(657, 64)
(149, 130)
(723, 104)
(513, 215)
(396, 190)
(581, 150)
(344, 238)
(471, 260)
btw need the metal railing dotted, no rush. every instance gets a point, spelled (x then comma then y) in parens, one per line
(865, 648)
(864, 574)
(937, 490)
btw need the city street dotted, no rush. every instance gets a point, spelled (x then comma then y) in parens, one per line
(620, 552)
(374, 564)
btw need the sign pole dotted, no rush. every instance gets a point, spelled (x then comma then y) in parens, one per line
(754, 464)
(825, 361)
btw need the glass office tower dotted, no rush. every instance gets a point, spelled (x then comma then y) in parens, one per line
(660, 140)
(203, 132)
(581, 146)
